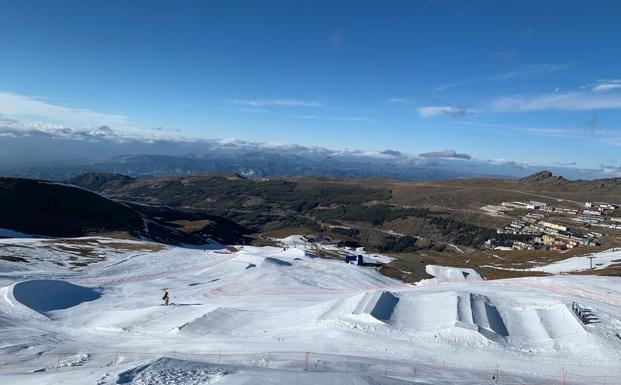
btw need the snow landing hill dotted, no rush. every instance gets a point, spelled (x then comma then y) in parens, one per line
(88, 311)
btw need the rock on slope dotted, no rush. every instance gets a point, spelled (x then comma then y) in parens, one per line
(546, 181)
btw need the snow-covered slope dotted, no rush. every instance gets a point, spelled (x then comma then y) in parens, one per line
(596, 261)
(599, 261)
(264, 299)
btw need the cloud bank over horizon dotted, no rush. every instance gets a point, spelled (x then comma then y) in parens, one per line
(28, 142)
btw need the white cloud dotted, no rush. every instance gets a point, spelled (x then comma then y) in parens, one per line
(445, 154)
(564, 101)
(18, 129)
(606, 136)
(523, 72)
(254, 110)
(607, 85)
(27, 108)
(397, 101)
(275, 102)
(434, 111)
(336, 118)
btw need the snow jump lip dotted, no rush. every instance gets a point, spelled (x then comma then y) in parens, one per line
(45, 295)
(278, 262)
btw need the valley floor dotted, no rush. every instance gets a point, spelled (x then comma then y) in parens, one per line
(250, 315)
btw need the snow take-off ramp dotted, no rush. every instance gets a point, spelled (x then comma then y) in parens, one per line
(467, 315)
(427, 312)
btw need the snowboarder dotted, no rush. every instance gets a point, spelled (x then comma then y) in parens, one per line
(165, 297)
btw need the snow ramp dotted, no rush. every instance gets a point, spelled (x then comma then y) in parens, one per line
(475, 316)
(550, 326)
(385, 306)
(45, 295)
(486, 317)
(277, 262)
(449, 274)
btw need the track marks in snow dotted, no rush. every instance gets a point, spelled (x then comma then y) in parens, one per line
(167, 371)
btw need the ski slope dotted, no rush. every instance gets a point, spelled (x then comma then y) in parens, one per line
(258, 300)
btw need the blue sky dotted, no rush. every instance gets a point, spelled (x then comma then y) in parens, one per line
(533, 81)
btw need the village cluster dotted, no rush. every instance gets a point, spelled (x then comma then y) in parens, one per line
(538, 231)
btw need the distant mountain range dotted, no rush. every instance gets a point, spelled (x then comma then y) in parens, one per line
(54, 153)
(253, 165)
(260, 161)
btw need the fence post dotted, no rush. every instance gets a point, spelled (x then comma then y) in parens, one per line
(219, 353)
(267, 364)
(564, 376)
(347, 368)
(386, 368)
(306, 361)
(58, 362)
(116, 359)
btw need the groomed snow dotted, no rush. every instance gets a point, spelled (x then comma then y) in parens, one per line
(265, 299)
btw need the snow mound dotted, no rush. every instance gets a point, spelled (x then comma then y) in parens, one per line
(449, 274)
(48, 295)
(293, 240)
(165, 371)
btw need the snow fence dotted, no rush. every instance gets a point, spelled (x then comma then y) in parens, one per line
(411, 370)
